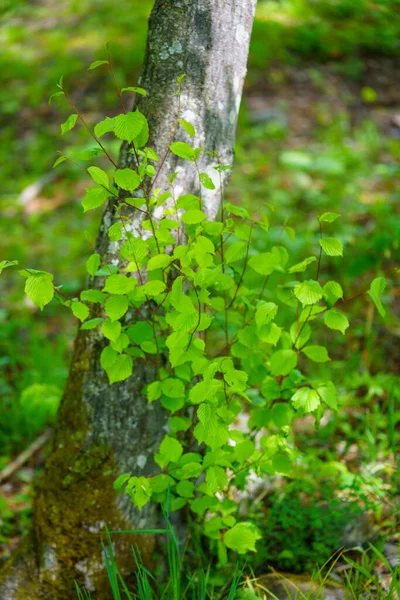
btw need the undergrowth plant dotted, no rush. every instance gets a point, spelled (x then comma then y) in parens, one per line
(228, 329)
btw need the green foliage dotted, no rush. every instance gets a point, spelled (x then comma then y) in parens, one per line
(202, 305)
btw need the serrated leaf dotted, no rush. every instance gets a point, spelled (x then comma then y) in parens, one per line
(39, 288)
(234, 252)
(182, 150)
(170, 451)
(377, 288)
(265, 313)
(137, 90)
(206, 181)
(331, 246)
(80, 310)
(264, 263)
(301, 266)
(160, 261)
(328, 217)
(111, 329)
(318, 354)
(173, 388)
(305, 398)
(327, 391)
(336, 320)
(95, 196)
(104, 127)
(185, 489)
(127, 179)
(108, 357)
(282, 362)
(92, 264)
(93, 296)
(129, 126)
(154, 288)
(332, 291)
(99, 176)
(116, 307)
(97, 63)
(69, 124)
(121, 369)
(191, 217)
(115, 232)
(216, 478)
(119, 284)
(308, 292)
(242, 537)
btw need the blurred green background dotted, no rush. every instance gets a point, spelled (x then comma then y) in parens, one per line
(319, 130)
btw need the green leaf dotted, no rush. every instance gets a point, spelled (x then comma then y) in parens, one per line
(139, 489)
(91, 324)
(119, 284)
(188, 127)
(327, 391)
(301, 266)
(111, 329)
(173, 388)
(204, 390)
(170, 451)
(211, 429)
(154, 288)
(94, 197)
(104, 127)
(308, 292)
(264, 263)
(328, 217)
(39, 288)
(108, 357)
(59, 160)
(137, 90)
(318, 354)
(69, 124)
(265, 313)
(120, 482)
(332, 291)
(185, 489)
(282, 362)
(242, 537)
(191, 217)
(55, 95)
(97, 63)
(234, 252)
(182, 150)
(92, 264)
(336, 320)
(99, 176)
(90, 153)
(116, 307)
(121, 369)
(377, 288)
(300, 333)
(4, 264)
(93, 296)
(80, 310)
(129, 126)
(331, 246)
(216, 478)
(127, 179)
(154, 391)
(115, 232)
(160, 261)
(206, 181)
(307, 399)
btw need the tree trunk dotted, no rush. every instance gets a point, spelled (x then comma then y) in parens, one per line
(105, 430)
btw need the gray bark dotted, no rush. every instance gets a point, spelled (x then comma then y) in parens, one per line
(104, 430)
